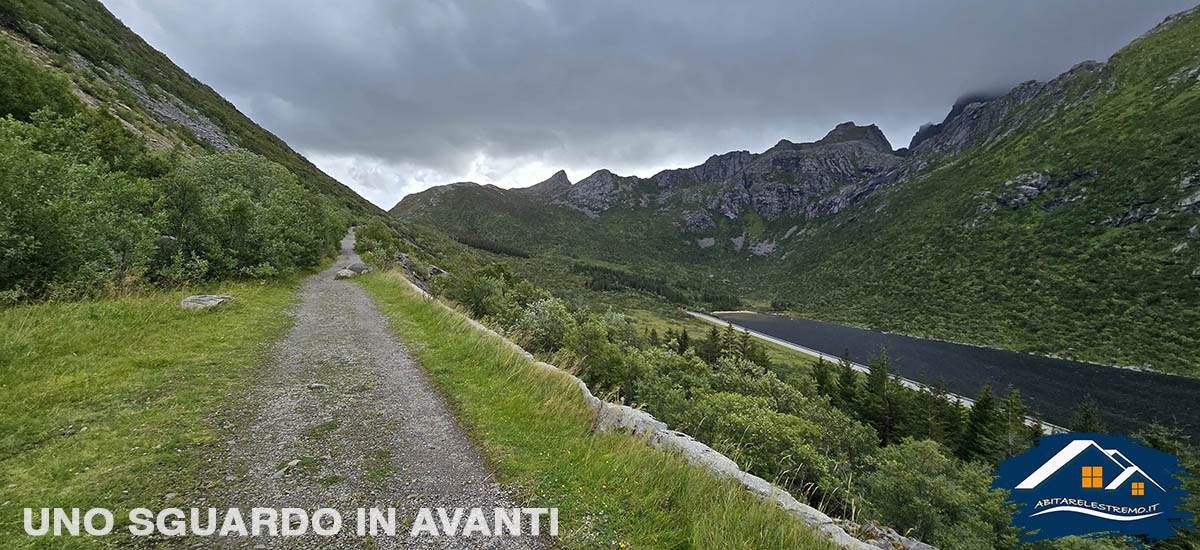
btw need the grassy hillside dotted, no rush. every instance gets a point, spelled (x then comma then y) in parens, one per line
(117, 169)
(106, 65)
(1097, 257)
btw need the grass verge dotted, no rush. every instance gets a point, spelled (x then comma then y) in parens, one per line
(112, 403)
(533, 426)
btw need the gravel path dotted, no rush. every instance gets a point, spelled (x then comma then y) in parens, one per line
(361, 425)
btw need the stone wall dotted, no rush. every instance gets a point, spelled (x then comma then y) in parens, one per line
(614, 418)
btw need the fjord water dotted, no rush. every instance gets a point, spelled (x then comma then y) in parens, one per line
(1128, 399)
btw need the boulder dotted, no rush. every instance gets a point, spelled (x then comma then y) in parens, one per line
(358, 267)
(344, 274)
(204, 301)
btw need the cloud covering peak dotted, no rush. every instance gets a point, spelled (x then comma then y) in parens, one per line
(394, 97)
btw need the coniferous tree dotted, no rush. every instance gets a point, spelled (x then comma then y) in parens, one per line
(823, 377)
(932, 402)
(879, 407)
(685, 342)
(744, 344)
(1035, 429)
(654, 338)
(729, 342)
(981, 438)
(847, 383)
(1015, 432)
(1087, 417)
(712, 346)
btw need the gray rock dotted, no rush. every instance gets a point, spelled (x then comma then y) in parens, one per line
(1196, 273)
(345, 274)
(1194, 232)
(698, 221)
(204, 301)
(1194, 199)
(358, 267)
(318, 386)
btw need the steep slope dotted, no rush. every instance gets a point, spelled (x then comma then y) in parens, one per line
(1061, 217)
(107, 65)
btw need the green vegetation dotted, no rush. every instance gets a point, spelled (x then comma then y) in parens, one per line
(612, 491)
(72, 30)
(88, 207)
(85, 213)
(115, 403)
(1080, 271)
(839, 440)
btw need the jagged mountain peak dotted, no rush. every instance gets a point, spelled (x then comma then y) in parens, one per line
(558, 182)
(849, 131)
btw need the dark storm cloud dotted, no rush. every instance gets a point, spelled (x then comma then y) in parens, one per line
(392, 97)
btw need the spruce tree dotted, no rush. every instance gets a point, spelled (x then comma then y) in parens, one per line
(847, 384)
(744, 344)
(878, 405)
(981, 439)
(684, 342)
(1087, 417)
(822, 377)
(729, 342)
(1014, 412)
(654, 338)
(712, 346)
(932, 401)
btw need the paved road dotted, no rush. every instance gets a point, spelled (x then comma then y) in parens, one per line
(345, 399)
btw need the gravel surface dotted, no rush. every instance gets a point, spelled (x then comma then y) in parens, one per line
(344, 403)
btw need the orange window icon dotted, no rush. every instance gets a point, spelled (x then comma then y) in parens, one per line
(1139, 489)
(1093, 477)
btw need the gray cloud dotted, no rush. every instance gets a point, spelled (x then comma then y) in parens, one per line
(394, 97)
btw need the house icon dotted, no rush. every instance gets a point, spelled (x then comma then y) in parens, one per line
(1099, 468)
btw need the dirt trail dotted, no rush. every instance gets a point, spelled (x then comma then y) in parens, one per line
(343, 398)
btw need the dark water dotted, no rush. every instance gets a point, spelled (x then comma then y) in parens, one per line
(1128, 399)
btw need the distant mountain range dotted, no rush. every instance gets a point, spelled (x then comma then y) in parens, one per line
(1061, 217)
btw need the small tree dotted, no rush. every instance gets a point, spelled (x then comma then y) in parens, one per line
(1087, 417)
(847, 382)
(981, 438)
(685, 342)
(823, 377)
(878, 406)
(1013, 411)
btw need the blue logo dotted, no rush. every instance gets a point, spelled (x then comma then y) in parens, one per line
(1094, 485)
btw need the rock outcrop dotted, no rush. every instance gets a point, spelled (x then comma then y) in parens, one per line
(204, 301)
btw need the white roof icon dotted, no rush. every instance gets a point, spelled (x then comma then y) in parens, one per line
(1072, 450)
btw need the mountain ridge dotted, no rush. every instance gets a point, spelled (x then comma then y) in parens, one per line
(1057, 217)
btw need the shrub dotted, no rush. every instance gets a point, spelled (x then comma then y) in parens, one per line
(944, 501)
(72, 224)
(545, 323)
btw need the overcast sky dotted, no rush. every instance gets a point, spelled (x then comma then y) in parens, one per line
(393, 96)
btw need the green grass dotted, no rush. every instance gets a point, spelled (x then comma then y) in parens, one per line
(114, 403)
(611, 490)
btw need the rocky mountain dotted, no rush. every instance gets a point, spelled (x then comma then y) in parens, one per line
(106, 65)
(1060, 217)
